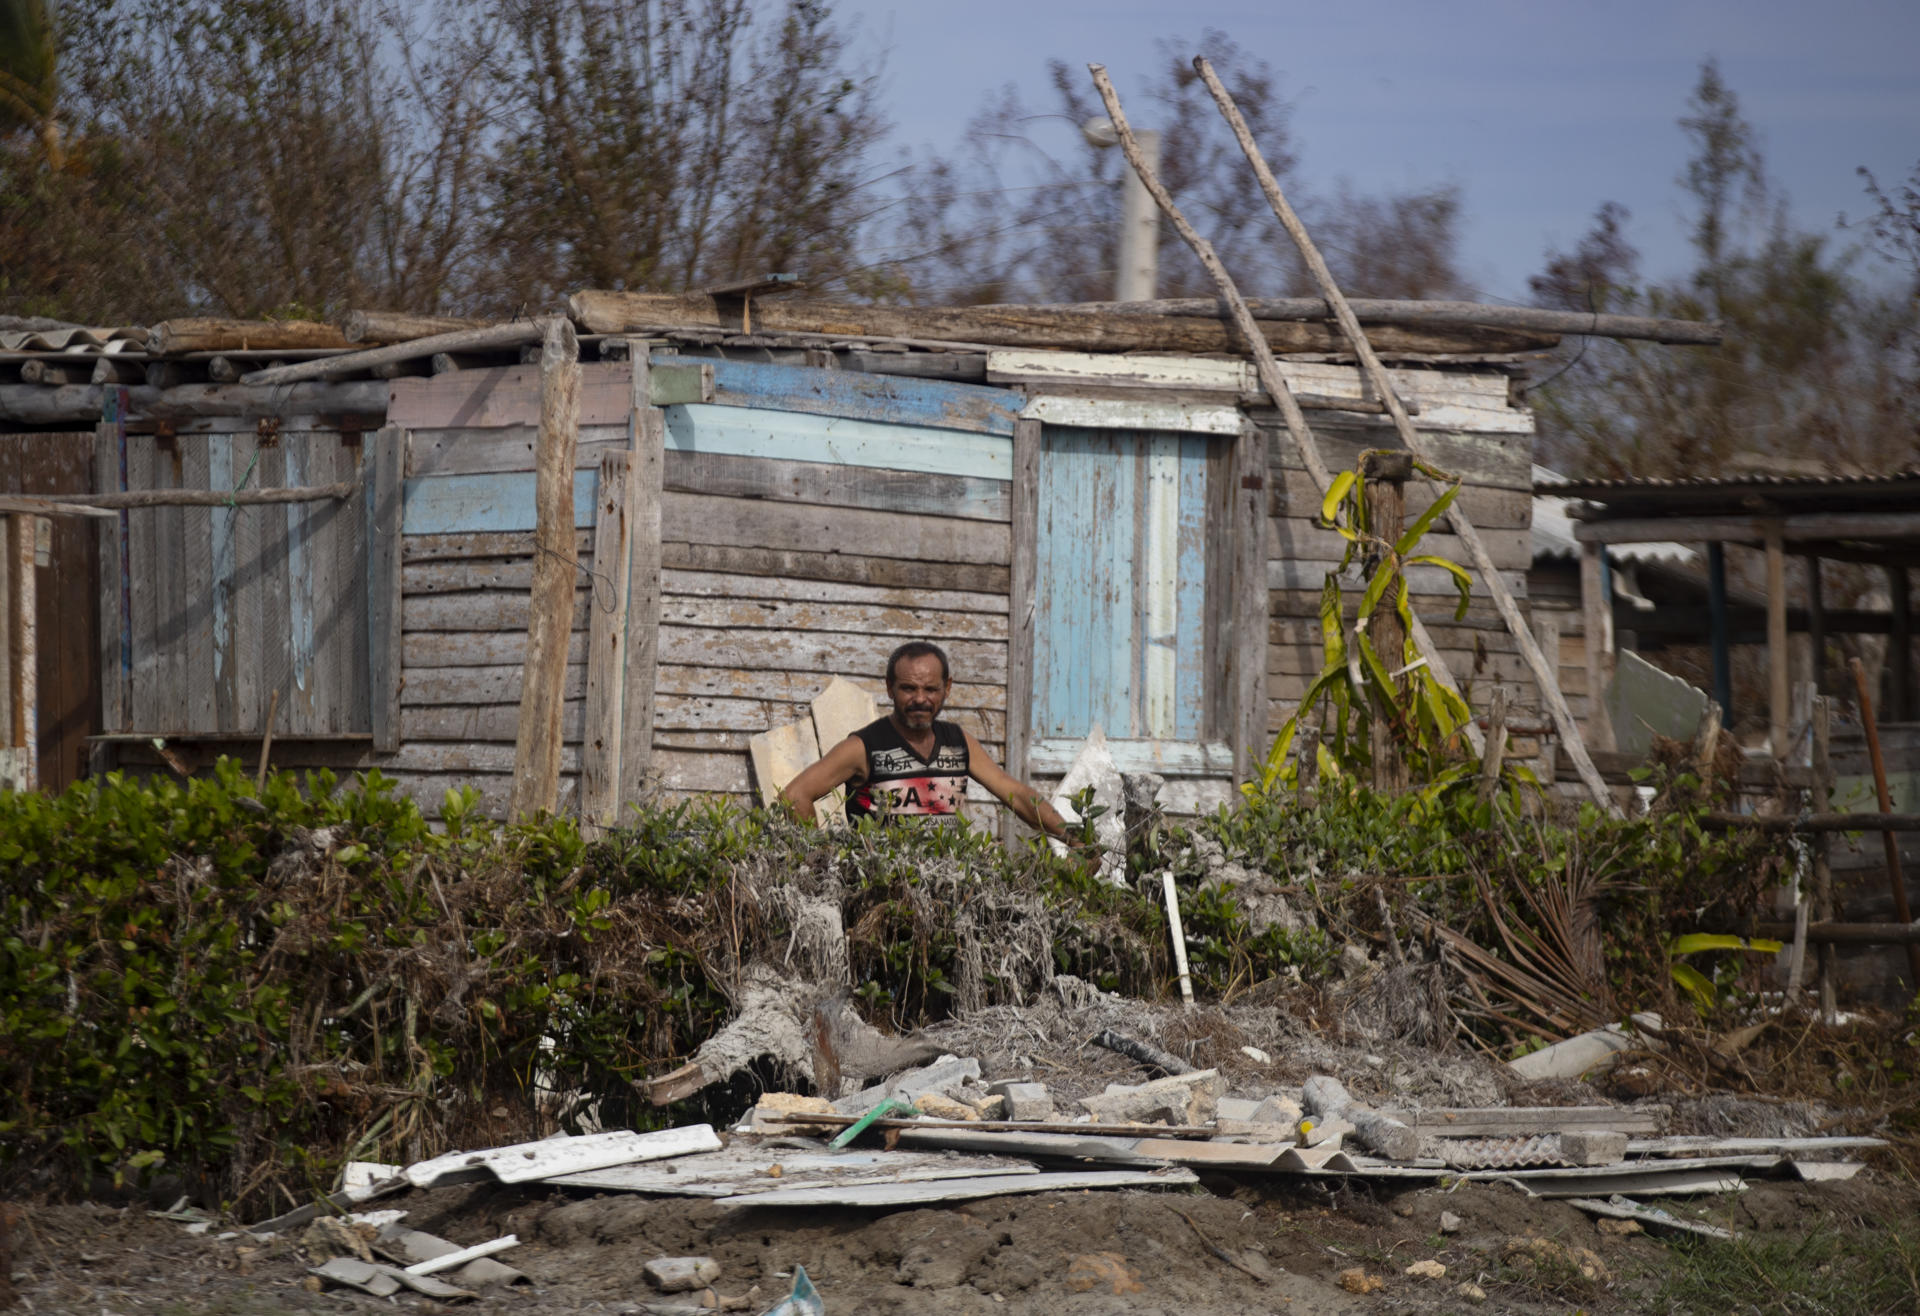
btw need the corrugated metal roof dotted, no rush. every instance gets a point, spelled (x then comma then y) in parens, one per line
(79, 340)
(1553, 529)
(1600, 489)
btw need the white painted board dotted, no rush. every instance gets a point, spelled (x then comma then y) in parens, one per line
(960, 1190)
(747, 1167)
(529, 1161)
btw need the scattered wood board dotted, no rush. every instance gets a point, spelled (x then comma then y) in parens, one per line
(1706, 1146)
(779, 755)
(1504, 1121)
(961, 1190)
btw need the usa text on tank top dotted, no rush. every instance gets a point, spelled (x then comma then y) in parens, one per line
(900, 782)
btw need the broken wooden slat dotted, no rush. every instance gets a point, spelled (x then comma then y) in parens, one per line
(961, 1190)
(1709, 1146)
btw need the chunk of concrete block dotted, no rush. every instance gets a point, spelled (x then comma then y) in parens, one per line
(939, 1107)
(1182, 1099)
(1277, 1109)
(1322, 1133)
(1024, 1101)
(679, 1274)
(1593, 1147)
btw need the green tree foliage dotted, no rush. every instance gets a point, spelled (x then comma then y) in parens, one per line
(1817, 371)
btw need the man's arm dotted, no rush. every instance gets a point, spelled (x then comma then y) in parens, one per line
(844, 762)
(1028, 804)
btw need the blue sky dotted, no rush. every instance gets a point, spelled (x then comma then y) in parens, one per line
(1537, 111)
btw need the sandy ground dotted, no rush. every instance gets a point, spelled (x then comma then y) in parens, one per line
(1230, 1248)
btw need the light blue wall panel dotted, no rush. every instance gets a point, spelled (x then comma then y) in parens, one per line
(797, 436)
(503, 501)
(1190, 590)
(856, 395)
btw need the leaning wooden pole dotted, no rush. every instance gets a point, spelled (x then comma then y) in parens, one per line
(536, 750)
(1544, 675)
(1264, 364)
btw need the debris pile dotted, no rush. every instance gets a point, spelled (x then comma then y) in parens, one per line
(949, 1131)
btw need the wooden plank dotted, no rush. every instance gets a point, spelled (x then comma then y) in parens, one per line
(1292, 493)
(1597, 621)
(1113, 414)
(487, 722)
(787, 436)
(607, 648)
(1084, 611)
(1299, 537)
(345, 621)
(529, 1161)
(428, 790)
(537, 751)
(505, 395)
(495, 503)
(221, 524)
(1025, 513)
(480, 684)
(780, 614)
(853, 568)
(22, 630)
(484, 610)
(508, 448)
(1485, 389)
(1246, 650)
(690, 770)
(701, 519)
(1310, 574)
(794, 687)
(647, 473)
(745, 1166)
(724, 585)
(1491, 460)
(274, 623)
(838, 711)
(385, 583)
(1170, 758)
(858, 396)
(829, 652)
(246, 642)
(197, 583)
(14, 772)
(872, 487)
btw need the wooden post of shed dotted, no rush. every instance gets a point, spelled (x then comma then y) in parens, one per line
(1820, 801)
(647, 438)
(1900, 647)
(537, 746)
(1023, 583)
(1386, 473)
(1816, 624)
(1597, 618)
(602, 739)
(1251, 602)
(1721, 640)
(23, 678)
(1779, 690)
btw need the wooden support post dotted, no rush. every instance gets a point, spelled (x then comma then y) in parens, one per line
(1251, 608)
(1821, 800)
(9, 755)
(24, 634)
(1896, 880)
(1023, 587)
(647, 437)
(1596, 611)
(1900, 647)
(1816, 623)
(1778, 675)
(1494, 759)
(536, 751)
(386, 469)
(1722, 638)
(1800, 754)
(1264, 364)
(1386, 474)
(603, 740)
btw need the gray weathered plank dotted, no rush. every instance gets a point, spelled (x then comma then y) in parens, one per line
(1299, 537)
(506, 395)
(646, 475)
(854, 568)
(819, 483)
(705, 519)
(245, 640)
(482, 610)
(1247, 653)
(507, 448)
(197, 598)
(1503, 461)
(603, 741)
(108, 439)
(1025, 522)
(782, 614)
(797, 688)
(386, 469)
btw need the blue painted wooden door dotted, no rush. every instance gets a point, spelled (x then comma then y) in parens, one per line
(1120, 597)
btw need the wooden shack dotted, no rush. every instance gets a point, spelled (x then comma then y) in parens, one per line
(1117, 538)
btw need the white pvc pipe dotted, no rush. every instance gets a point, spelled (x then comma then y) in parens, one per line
(1179, 937)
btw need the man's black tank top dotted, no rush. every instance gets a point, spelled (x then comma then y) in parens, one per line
(899, 781)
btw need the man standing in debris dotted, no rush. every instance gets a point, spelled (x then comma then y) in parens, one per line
(911, 763)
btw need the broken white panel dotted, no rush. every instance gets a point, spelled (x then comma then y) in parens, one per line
(1088, 1148)
(365, 1174)
(384, 1281)
(1621, 1208)
(1094, 767)
(961, 1190)
(779, 755)
(529, 1161)
(747, 1167)
(1827, 1171)
(1644, 1183)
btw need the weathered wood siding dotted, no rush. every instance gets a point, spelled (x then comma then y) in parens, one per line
(66, 618)
(802, 538)
(225, 606)
(1473, 431)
